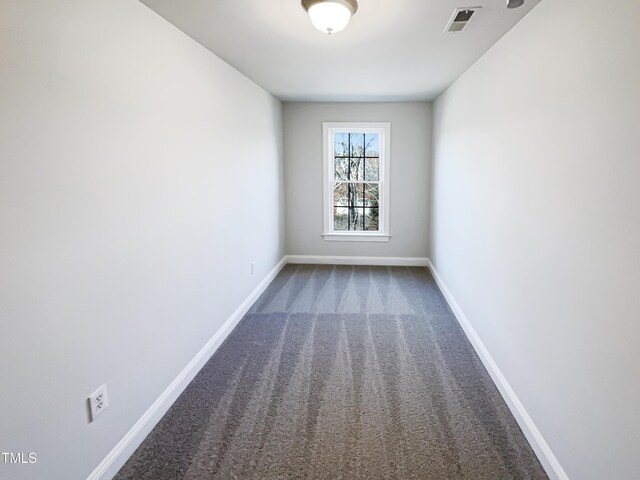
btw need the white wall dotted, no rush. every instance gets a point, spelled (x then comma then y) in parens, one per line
(536, 223)
(139, 177)
(409, 195)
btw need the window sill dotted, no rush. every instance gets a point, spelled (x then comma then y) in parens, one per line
(351, 237)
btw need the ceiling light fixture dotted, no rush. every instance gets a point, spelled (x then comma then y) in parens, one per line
(330, 16)
(514, 3)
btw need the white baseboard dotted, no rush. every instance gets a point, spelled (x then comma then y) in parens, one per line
(134, 437)
(541, 448)
(383, 261)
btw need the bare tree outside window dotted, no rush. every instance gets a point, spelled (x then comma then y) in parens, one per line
(356, 189)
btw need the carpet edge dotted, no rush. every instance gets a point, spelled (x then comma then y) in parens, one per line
(541, 448)
(123, 450)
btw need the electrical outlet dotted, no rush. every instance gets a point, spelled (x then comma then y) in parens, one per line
(253, 268)
(98, 402)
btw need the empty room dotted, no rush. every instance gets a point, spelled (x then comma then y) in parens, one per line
(319, 239)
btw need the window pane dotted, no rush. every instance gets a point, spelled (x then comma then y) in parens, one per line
(341, 144)
(357, 144)
(372, 169)
(356, 218)
(371, 219)
(356, 172)
(371, 195)
(356, 194)
(372, 145)
(341, 195)
(342, 168)
(340, 218)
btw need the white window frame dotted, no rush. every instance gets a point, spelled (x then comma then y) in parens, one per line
(383, 129)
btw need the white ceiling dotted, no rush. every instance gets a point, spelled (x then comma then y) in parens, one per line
(393, 50)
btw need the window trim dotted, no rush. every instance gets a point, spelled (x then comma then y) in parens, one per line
(328, 131)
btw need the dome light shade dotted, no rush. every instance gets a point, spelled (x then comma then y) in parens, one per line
(514, 3)
(330, 16)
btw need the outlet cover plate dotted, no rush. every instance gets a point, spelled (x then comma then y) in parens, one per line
(98, 402)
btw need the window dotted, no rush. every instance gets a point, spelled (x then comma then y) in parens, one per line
(356, 181)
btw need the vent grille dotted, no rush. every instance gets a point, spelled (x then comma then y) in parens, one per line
(460, 18)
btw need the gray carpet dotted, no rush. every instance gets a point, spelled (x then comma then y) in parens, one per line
(341, 373)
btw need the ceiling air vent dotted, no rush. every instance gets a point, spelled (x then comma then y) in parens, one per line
(460, 18)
